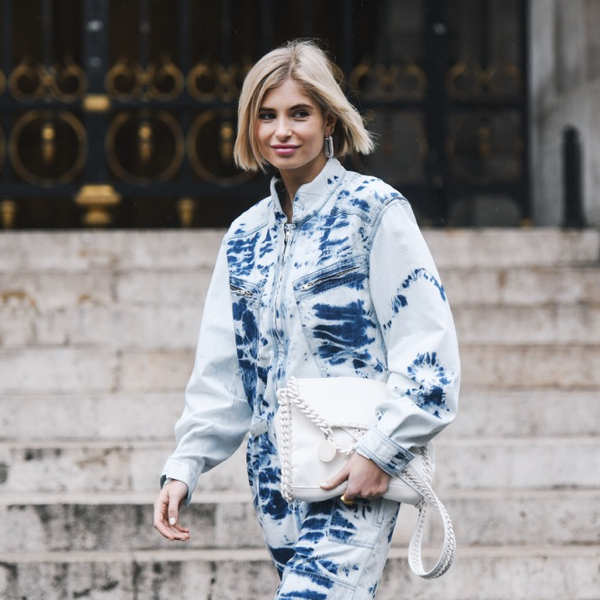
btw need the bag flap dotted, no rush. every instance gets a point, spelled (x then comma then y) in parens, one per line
(343, 401)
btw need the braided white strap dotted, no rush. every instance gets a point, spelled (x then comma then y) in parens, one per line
(412, 477)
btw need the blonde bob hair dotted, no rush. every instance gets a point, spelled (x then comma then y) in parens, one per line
(308, 65)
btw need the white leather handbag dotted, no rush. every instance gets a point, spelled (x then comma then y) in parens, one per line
(318, 425)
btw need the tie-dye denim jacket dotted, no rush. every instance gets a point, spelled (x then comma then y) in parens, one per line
(349, 288)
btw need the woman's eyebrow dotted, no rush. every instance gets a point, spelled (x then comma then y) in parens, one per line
(292, 108)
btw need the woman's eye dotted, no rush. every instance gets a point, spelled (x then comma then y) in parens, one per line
(266, 116)
(301, 114)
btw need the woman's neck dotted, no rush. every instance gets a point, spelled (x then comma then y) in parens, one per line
(292, 180)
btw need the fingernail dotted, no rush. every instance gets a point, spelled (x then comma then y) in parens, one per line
(172, 521)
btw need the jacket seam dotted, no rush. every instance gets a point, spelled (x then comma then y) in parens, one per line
(389, 201)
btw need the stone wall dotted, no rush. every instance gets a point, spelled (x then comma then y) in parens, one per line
(565, 90)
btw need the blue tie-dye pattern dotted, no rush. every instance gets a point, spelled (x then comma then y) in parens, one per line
(267, 245)
(360, 203)
(341, 527)
(241, 255)
(264, 476)
(344, 332)
(328, 227)
(246, 337)
(399, 302)
(303, 595)
(432, 377)
(424, 274)
(327, 560)
(281, 556)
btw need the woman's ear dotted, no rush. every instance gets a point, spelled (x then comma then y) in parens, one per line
(330, 122)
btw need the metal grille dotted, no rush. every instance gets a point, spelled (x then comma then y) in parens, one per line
(122, 112)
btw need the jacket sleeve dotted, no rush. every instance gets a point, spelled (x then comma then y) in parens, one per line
(420, 338)
(216, 416)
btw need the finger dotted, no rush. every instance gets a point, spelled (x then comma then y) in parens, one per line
(173, 510)
(160, 517)
(351, 496)
(336, 480)
(175, 502)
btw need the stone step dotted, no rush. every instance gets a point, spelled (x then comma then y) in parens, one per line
(102, 416)
(78, 251)
(568, 366)
(529, 573)
(493, 413)
(522, 286)
(491, 463)
(83, 251)
(176, 327)
(90, 369)
(529, 325)
(102, 326)
(469, 248)
(483, 412)
(123, 522)
(41, 292)
(55, 290)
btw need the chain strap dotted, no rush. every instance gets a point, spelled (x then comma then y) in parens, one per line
(285, 420)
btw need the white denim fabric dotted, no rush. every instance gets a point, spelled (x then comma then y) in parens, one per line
(349, 288)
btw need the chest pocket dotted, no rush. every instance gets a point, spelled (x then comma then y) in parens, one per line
(338, 318)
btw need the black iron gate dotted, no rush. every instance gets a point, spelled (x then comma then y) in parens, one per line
(122, 112)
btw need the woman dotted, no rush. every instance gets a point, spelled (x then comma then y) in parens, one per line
(328, 276)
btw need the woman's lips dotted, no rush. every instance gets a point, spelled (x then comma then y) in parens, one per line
(284, 150)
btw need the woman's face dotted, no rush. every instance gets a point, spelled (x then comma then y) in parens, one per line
(290, 131)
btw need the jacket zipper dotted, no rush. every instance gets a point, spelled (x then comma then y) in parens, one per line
(287, 234)
(241, 291)
(311, 284)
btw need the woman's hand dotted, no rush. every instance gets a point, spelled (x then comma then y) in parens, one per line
(166, 511)
(365, 479)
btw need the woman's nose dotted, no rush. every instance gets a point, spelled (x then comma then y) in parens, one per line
(283, 129)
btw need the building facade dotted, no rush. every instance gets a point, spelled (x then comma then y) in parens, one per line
(122, 113)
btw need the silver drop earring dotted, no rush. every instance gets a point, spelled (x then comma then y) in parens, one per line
(329, 151)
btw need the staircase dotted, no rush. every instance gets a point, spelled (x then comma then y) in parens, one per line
(97, 332)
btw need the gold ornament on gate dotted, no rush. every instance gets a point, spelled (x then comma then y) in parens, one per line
(402, 79)
(214, 128)
(161, 80)
(144, 147)
(97, 199)
(31, 80)
(8, 213)
(48, 147)
(186, 208)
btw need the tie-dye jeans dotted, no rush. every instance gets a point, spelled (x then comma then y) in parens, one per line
(322, 550)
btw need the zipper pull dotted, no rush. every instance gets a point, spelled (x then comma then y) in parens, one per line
(287, 231)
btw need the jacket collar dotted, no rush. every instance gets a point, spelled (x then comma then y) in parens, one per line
(312, 196)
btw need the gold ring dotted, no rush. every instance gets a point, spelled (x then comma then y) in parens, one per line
(346, 502)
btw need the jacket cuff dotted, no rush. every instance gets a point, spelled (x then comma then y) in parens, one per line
(175, 469)
(384, 452)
